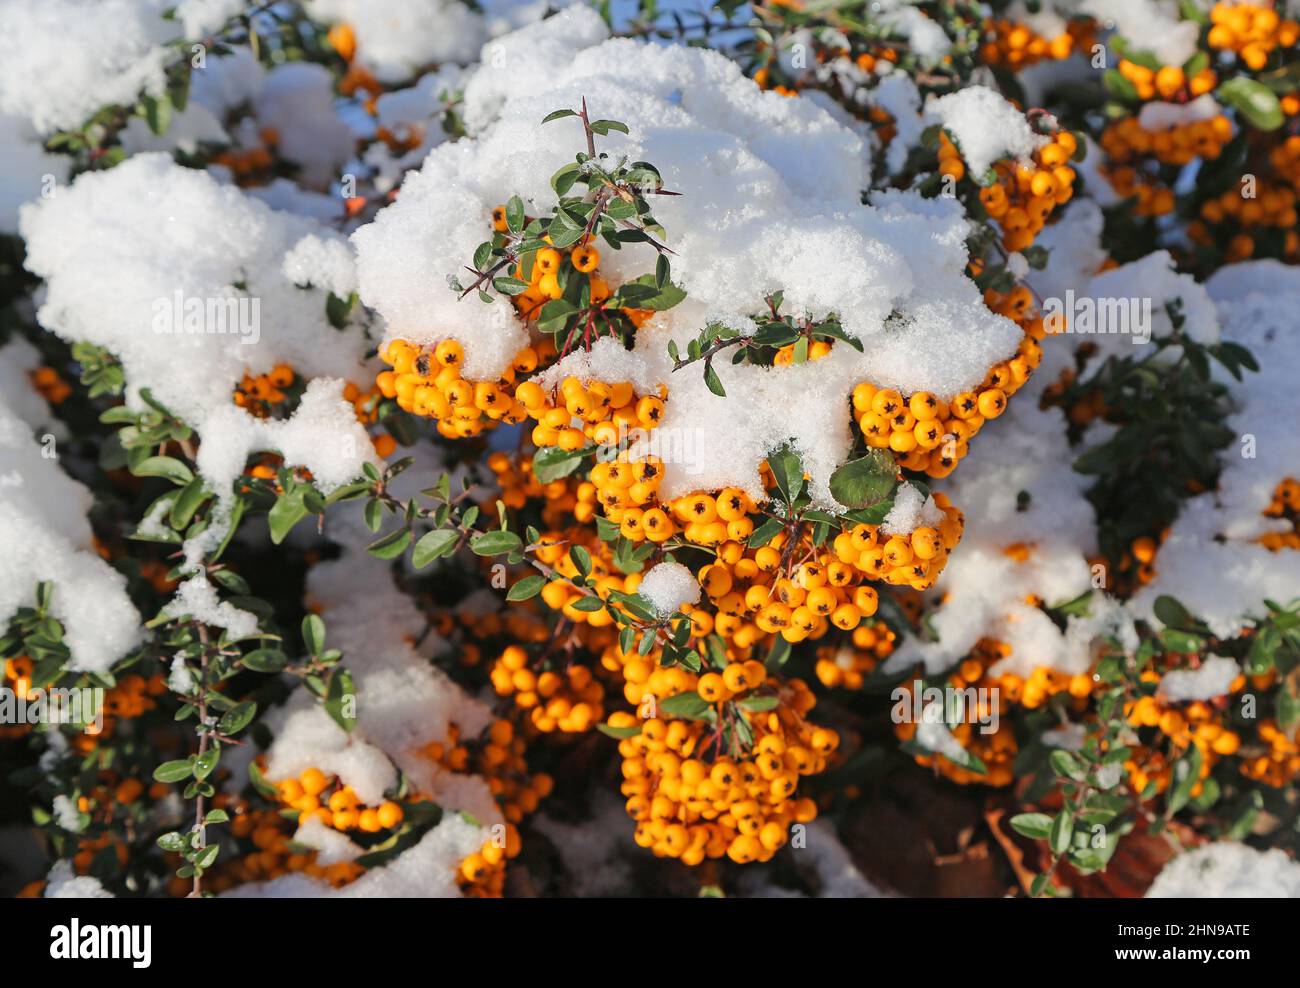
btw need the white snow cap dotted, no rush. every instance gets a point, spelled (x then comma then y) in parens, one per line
(1228, 870)
(770, 200)
(1210, 561)
(1149, 25)
(44, 536)
(668, 586)
(396, 38)
(191, 284)
(61, 60)
(985, 126)
(1211, 678)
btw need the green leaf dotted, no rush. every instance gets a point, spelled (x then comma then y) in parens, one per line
(688, 705)
(164, 466)
(527, 588)
(174, 771)
(1062, 830)
(788, 471)
(1187, 772)
(1171, 613)
(605, 126)
(1036, 826)
(187, 502)
(757, 704)
(658, 298)
(515, 214)
(865, 482)
(391, 545)
(558, 114)
(712, 381)
(313, 633)
(433, 545)
(1254, 101)
(495, 543)
(265, 660)
(619, 732)
(554, 463)
(340, 700)
(237, 718)
(289, 509)
(206, 762)
(1066, 765)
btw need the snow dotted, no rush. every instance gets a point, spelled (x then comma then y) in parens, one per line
(771, 199)
(63, 883)
(1210, 561)
(61, 60)
(427, 870)
(296, 100)
(45, 536)
(910, 510)
(126, 253)
(1149, 25)
(983, 589)
(197, 598)
(28, 171)
(395, 38)
(1158, 115)
(1228, 870)
(985, 127)
(1213, 677)
(668, 586)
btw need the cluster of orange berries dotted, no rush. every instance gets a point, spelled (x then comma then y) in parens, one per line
(316, 795)
(499, 758)
(1285, 504)
(1252, 32)
(251, 165)
(1151, 198)
(571, 700)
(553, 550)
(1180, 144)
(741, 805)
(258, 394)
(1277, 766)
(848, 667)
(1274, 205)
(1167, 82)
(427, 382)
(50, 385)
(605, 413)
(1023, 194)
(925, 433)
(1016, 46)
(518, 484)
(273, 853)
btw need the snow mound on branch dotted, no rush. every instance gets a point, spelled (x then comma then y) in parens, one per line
(184, 280)
(397, 38)
(44, 535)
(1212, 678)
(62, 60)
(1148, 25)
(668, 586)
(427, 870)
(63, 883)
(770, 200)
(1018, 490)
(1228, 870)
(402, 702)
(1210, 561)
(985, 126)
